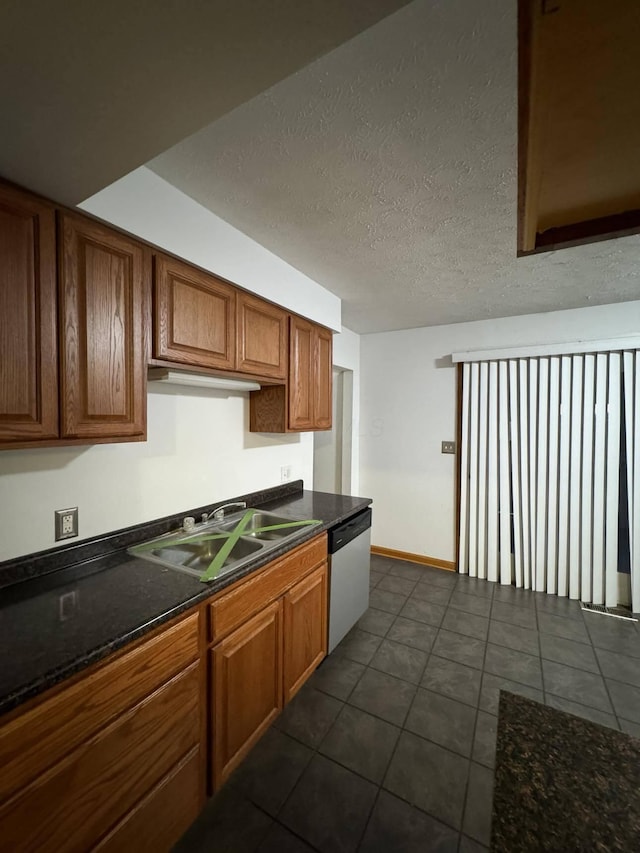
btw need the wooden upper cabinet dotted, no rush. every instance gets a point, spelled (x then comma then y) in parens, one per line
(28, 330)
(194, 316)
(301, 375)
(323, 379)
(579, 126)
(104, 290)
(261, 337)
(306, 401)
(310, 376)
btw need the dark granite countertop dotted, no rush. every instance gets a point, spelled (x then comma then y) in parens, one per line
(562, 784)
(66, 608)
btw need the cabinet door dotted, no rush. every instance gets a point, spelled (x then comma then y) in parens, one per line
(83, 796)
(104, 288)
(323, 390)
(247, 688)
(305, 630)
(195, 316)
(301, 374)
(262, 337)
(28, 322)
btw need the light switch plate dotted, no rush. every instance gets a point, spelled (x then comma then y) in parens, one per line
(448, 447)
(66, 523)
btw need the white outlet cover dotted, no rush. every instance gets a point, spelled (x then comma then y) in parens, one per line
(66, 523)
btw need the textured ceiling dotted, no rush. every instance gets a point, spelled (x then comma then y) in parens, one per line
(91, 89)
(386, 171)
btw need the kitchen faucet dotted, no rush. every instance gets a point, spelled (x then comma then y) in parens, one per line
(218, 514)
(189, 523)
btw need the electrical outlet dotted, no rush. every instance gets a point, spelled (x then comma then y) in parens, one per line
(448, 447)
(66, 523)
(285, 473)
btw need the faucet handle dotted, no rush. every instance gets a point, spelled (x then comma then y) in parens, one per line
(188, 523)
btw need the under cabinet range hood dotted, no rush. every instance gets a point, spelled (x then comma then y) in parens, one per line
(201, 380)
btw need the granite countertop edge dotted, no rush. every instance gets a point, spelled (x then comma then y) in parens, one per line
(76, 663)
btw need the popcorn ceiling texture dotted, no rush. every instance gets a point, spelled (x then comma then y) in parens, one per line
(386, 171)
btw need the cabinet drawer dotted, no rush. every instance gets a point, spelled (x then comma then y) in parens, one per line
(250, 596)
(79, 799)
(160, 819)
(37, 739)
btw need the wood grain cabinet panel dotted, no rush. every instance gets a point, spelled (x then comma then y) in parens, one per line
(301, 374)
(578, 131)
(104, 290)
(195, 316)
(35, 740)
(116, 756)
(323, 379)
(262, 337)
(251, 595)
(305, 630)
(75, 803)
(305, 402)
(28, 318)
(247, 688)
(268, 649)
(160, 819)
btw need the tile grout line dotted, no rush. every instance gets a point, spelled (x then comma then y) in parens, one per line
(501, 645)
(604, 680)
(542, 678)
(466, 790)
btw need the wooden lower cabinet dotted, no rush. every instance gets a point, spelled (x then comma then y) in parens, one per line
(115, 756)
(263, 662)
(118, 759)
(305, 630)
(161, 817)
(247, 688)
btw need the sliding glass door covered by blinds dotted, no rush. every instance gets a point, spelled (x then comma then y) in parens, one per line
(541, 468)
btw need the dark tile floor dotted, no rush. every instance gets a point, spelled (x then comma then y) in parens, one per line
(390, 746)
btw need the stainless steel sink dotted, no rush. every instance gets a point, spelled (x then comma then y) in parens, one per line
(260, 526)
(199, 555)
(215, 548)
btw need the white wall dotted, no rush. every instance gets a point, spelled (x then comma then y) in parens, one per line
(328, 459)
(199, 450)
(408, 406)
(346, 355)
(146, 205)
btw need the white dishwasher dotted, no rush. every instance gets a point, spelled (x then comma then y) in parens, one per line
(349, 559)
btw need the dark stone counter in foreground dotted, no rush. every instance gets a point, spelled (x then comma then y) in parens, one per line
(563, 784)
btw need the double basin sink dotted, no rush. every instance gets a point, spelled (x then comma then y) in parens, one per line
(214, 548)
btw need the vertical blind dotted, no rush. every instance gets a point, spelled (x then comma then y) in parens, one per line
(540, 472)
